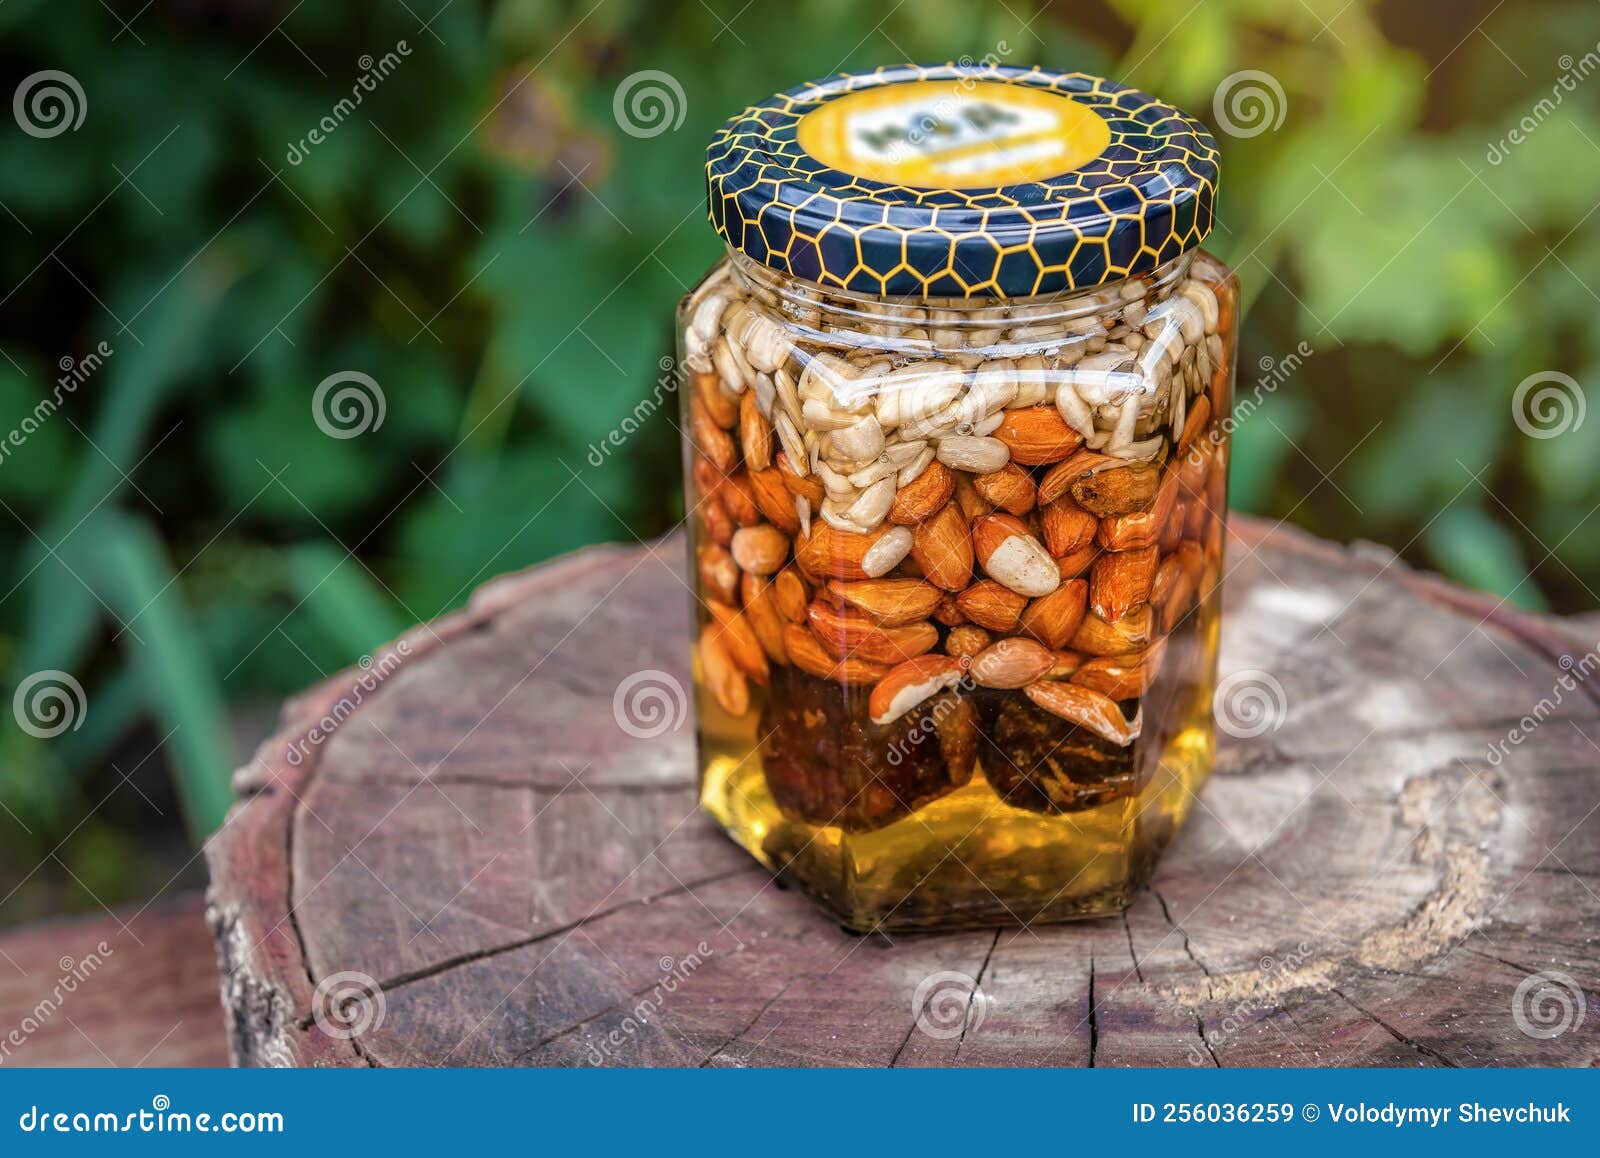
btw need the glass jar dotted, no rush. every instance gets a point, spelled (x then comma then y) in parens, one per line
(957, 519)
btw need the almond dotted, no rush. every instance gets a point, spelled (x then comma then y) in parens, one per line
(1120, 580)
(1091, 710)
(1141, 528)
(719, 574)
(807, 486)
(972, 504)
(1194, 422)
(739, 498)
(738, 638)
(755, 433)
(714, 442)
(1065, 526)
(829, 553)
(1010, 488)
(716, 520)
(967, 640)
(1058, 480)
(760, 550)
(1122, 677)
(1011, 555)
(1130, 633)
(761, 612)
(1067, 663)
(849, 633)
(923, 496)
(889, 602)
(790, 594)
(1119, 491)
(725, 681)
(1053, 619)
(1011, 663)
(949, 611)
(1168, 576)
(942, 547)
(707, 478)
(1036, 435)
(724, 411)
(992, 605)
(807, 653)
(910, 683)
(1193, 467)
(1077, 563)
(774, 500)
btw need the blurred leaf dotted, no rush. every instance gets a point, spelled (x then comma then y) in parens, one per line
(1470, 545)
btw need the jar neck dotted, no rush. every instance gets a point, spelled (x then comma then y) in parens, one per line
(826, 308)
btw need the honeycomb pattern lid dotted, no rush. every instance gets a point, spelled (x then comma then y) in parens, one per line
(962, 180)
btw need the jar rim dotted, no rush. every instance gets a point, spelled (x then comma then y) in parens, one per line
(1144, 196)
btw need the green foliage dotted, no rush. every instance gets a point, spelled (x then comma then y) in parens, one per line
(480, 237)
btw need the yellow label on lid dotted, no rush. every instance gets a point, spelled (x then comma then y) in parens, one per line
(954, 134)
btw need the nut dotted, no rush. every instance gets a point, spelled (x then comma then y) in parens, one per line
(807, 653)
(910, 683)
(923, 496)
(1087, 709)
(800, 485)
(789, 591)
(1011, 555)
(718, 523)
(973, 454)
(1010, 488)
(1053, 619)
(774, 500)
(1076, 563)
(849, 633)
(1038, 435)
(992, 605)
(889, 602)
(755, 433)
(724, 680)
(1058, 479)
(719, 574)
(1122, 677)
(761, 613)
(1120, 580)
(760, 550)
(1130, 633)
(1066, 526)
(738, 638)
(1011, 663)
(724, 410)
(713, 441)
(966, 640)
(739, 499)
(942, 547)
(1198, 418)
(1141, 528)
(829, 553)
(1129, 487)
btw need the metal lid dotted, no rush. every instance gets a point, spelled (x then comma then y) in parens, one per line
(962, 181)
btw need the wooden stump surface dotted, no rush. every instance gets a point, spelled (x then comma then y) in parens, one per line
(458, 857)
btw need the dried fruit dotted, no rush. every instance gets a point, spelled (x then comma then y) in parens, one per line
(926, 494)
(1036, 760)
(827, 763)
(942, 547)
(889, 602)
(1011, 663)
(760, 550)
(993, 605)
(1053, 619)
(912, 682)
(1036, 435)
(1120, 580)
(1011, 555)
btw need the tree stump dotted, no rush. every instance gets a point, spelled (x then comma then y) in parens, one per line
(457, 857)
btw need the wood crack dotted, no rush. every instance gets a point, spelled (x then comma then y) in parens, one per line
(1404, 1039)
